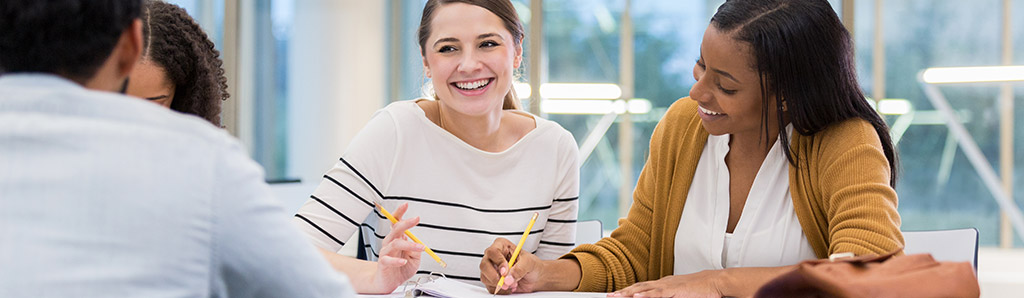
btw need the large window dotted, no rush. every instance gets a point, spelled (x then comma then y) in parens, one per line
(938, 187)
(269, 145)
(209, 15)
(583, 46)
(264, 109)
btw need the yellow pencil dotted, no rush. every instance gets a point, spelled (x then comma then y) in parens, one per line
(413, 237)
(515, 253)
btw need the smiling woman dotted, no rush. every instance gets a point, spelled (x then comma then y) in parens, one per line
(775, 158)
(468, 162)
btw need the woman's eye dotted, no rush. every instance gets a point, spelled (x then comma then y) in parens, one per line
(700, 64)
(446, 49)
(727, 91)
(488, 44)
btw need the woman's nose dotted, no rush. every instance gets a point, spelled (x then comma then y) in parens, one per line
(469, 62)
(699, 91)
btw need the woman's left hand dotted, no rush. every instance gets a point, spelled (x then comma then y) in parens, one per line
(700, 284)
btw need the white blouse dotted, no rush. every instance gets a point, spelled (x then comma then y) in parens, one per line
(768, 233)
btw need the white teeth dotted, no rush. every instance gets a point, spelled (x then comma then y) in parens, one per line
(472, 85)
(706, 111)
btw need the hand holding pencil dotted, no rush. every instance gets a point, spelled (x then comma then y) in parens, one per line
(505, 265)
(412, 237)
(399, 258)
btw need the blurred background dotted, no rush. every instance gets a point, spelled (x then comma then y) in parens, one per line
(305, 75)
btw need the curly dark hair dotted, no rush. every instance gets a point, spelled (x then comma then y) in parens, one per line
(175, 42)
(71, 38)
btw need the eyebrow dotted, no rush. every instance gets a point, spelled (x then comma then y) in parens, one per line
(725, 74)
(452, 39)
(156, 97)
(719, 71)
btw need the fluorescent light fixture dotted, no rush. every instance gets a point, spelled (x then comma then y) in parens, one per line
(947, 75)
(591, 106)
(522, 90)
(570, 91)
(893, 106)
(890, 106)
(580, 91)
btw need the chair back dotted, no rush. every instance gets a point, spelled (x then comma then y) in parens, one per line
(589, 231)
(958, 245)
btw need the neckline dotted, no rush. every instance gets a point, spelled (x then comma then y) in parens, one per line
(743, 226)
(422, 116)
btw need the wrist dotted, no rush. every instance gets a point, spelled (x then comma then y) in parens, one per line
(743, 282)
(365, 279)
(723, 280)
(559, 275)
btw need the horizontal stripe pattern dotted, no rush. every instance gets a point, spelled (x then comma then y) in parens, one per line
(466, 200)
(318, 228)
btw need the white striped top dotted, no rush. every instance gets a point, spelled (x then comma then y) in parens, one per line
(464, 196)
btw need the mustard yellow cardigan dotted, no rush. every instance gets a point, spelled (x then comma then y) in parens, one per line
(841, 195)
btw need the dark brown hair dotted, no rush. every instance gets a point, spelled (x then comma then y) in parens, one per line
(804, 56)
(501, 8)
(175, 42)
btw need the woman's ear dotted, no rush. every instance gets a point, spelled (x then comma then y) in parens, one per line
(519, 55)
(426, 68)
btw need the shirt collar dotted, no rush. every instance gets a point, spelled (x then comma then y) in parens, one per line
(49, 81)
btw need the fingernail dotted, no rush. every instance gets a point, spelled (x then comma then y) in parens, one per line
(502, 270)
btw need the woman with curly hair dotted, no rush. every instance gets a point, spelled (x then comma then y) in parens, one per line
(180, 68)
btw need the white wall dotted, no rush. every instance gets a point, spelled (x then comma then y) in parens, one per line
(337, 79)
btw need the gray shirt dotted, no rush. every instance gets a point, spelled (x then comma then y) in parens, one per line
(103, 195)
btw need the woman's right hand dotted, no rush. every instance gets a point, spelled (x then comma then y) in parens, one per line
(525, 273)
(399, 256)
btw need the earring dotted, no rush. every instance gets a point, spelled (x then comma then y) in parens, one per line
(784, 108)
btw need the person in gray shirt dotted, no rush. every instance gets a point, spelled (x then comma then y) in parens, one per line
(103, 195)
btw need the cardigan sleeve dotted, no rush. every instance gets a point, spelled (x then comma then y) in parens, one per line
(625, 257)
(854, 181)
(621, 259)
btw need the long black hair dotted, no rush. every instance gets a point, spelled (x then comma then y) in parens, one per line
(804, 57)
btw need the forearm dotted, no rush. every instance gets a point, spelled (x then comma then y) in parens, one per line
(560, 275)
(744, 282)
(360, 272)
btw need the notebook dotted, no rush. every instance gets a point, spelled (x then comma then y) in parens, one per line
(441, 287)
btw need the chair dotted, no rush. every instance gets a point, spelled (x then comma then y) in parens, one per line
(589, 231)
(958, 245)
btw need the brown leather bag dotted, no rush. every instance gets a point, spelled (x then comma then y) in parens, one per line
(876, 276)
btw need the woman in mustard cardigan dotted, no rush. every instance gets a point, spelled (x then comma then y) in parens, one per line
(776, 157)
